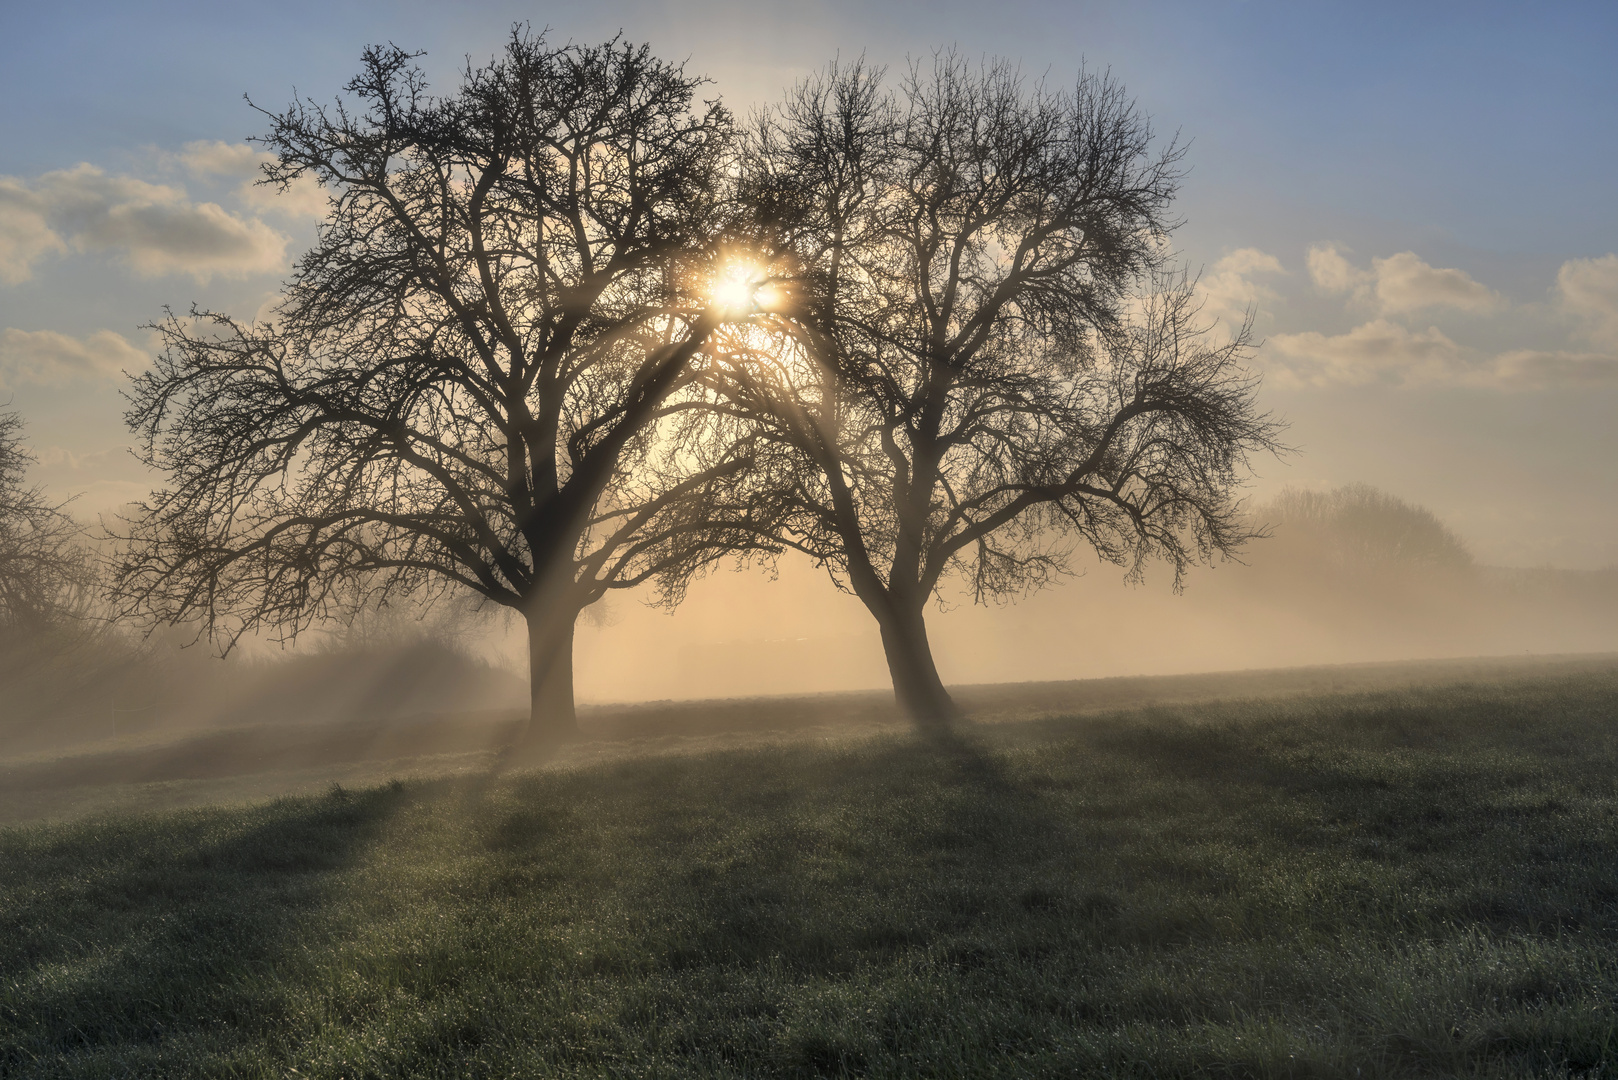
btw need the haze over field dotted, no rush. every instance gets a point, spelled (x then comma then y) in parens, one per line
(1348, 587)
(740, 636)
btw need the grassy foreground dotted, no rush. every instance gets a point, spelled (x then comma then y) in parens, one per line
(1403, 883)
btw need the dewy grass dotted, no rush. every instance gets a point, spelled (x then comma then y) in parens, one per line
(1383, 884)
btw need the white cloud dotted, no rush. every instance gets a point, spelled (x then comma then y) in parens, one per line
(1384, 352)
(47, 358)
(1587, 289)
(155, 227)
(1332, 273)
(210, 157)
(1532, 368)
(1399, 284)
(201, 240)
(1387, 350)
(1248, 261)
(1378, 351)
(303, 198)
(1405, 283)
(1229, 290)
(25, 235)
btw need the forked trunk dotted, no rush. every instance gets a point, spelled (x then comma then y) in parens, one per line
(551, 717)
(916, 685)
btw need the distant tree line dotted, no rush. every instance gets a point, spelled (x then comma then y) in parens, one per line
(54, 634)
(572, 328)
(1358, 529)
(45, 572)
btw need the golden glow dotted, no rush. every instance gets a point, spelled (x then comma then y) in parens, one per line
(736, 291)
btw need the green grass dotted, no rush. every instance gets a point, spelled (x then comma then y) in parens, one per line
(1411, 883)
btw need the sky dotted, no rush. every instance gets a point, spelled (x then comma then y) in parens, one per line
(1416, 199)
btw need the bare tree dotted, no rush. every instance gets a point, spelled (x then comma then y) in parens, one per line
(950, 352)
(480, 377)
(1360, 529)
(45, 573)
(54, 646)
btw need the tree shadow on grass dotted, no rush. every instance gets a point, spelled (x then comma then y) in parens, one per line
(129, 946)
(816, 860)
(876, 907)
(1113, 888)
(732, 889)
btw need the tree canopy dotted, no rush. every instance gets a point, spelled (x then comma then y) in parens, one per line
(480, 376)
(1358, 528)
(966, 349)
(566, 330)
(44, 570)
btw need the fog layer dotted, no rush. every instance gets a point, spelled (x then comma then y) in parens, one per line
(1348, 576)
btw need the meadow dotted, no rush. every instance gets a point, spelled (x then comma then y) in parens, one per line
(1327, 874)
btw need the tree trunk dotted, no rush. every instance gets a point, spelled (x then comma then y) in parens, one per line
(916, 685)
(551, 716)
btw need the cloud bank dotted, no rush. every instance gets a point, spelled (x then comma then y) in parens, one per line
(25, 236)
(1587, 291)
(47, 358)
(1387, 349)
(1400, 284)
(156, 229)
(1378, 351)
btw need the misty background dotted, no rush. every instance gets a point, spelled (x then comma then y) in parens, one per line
(1348, 576)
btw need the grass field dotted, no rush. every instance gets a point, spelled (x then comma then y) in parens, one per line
(1413, 881)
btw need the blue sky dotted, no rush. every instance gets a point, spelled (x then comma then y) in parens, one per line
(1419, 199)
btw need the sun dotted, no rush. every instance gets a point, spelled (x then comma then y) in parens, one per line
(735, 292)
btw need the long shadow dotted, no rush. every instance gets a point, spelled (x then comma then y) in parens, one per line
(736, 882)
(119, 937)
(981, 843)
(245, 751)
(757, 874)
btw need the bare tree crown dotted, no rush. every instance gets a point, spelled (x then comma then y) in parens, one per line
(977, 370)
(565, 330)
(45, 573)
(470, 375)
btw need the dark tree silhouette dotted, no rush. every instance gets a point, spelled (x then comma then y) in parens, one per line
(45, 574)
(1359, 529)
(480, 376)
(53, 645)
(944, 354)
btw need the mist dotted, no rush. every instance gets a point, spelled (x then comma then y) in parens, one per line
(87, 681)
(1345, 577)
(1347, 587)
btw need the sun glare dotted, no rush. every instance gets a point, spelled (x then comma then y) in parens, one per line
(735, 292)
